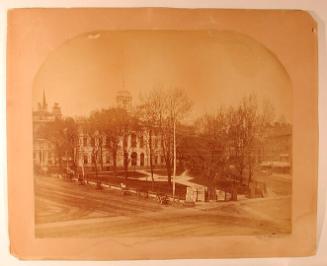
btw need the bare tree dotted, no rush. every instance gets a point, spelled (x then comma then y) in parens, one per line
(71, 135)
(150, 120)
(168, 108)
(93, 130)
(96, 155)
(113, 123)
(227, 144)
(247, 125)
(213, 132)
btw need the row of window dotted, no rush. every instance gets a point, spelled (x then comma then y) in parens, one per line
(43, 157)
(86, 159)
(125, 141)
(134, 160)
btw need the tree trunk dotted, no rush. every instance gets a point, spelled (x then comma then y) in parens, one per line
(60, 162)
(101, 157)
(166, 151)
(74, 166)
(241, 173)
(169, 173)
(234, 192)
(98, 181)
(250, 173)
(151, 164)
(114, 158)
(126, 165)
(125, 155)
(174, 158)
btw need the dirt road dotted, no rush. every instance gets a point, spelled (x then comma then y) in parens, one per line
(65, 209)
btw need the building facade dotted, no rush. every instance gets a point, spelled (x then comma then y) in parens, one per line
(132, 148)
(277, 148)
(44, 153)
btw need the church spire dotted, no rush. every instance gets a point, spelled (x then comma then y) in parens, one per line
(44, 100)
(44, 103)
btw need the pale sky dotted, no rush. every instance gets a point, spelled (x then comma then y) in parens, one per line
(215, 68)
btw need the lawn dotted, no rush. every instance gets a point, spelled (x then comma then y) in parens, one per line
(143, 185)
(119, 173)
(163, 171)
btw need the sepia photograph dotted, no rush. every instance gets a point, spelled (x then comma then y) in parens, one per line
(162, 134)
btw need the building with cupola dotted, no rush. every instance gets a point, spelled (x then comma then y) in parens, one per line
(133, 148)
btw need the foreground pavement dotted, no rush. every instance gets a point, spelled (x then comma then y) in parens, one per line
(66, 209)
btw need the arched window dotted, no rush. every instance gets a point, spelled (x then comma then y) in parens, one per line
(142, 159)
(134, 158)
(126, 160)
(85, 159)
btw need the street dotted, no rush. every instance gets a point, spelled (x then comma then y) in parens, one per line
(66, 209)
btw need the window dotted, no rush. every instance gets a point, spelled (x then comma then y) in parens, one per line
(156, 142)
(142, 159)
(85, 159)
(85, 141)
(133, 140)
(107, 158)
(141, 140)
(134, 159)
(162, 158)
(103, 139)
(156, 159)
(125, 141)
(126, 160)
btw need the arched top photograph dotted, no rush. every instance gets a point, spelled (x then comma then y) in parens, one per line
(157, 133)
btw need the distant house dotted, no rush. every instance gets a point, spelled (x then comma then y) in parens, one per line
(44, 154)
(277, 148)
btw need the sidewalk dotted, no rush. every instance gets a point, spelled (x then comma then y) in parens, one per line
(182, 179)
